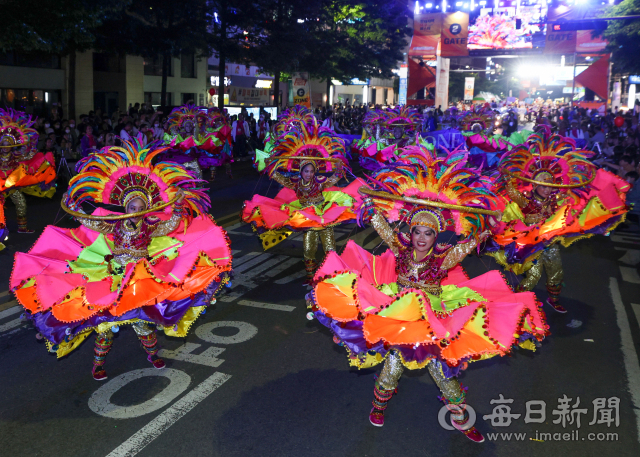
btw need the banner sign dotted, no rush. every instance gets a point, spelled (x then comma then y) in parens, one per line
(469, 84)
(444, 139)
(301, 90)
(426, 34)
(560, 42)
(402, 95)
(455, 32)
(248, 95)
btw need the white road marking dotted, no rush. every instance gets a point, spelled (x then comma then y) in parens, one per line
(630, 275)
(257, 304)
(636, 311)
(10, 311)
(625, 239)
(243, 265)
(248, 279)
(10, 325)
(233, 227)
(100, 401)
(246, 331)
(184, 354)
(291, 277)
(170, 416)
(628, 350)
(631, 256)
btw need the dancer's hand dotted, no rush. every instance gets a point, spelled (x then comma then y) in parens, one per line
(180, 195)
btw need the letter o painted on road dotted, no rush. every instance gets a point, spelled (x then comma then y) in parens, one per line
(100, 401)
(245, 332)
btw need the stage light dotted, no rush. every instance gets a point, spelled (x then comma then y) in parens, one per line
(416, 10)
(466, 5)
(458, 3)
(444, 6)
(429, 5)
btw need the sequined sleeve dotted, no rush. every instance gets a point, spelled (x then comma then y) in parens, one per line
(97, 226)
(380, 225)
(334, 178)
(515, 195)
(456, 254)
(281, 179)
(166, 227)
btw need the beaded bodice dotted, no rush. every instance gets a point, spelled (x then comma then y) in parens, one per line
(427, 274)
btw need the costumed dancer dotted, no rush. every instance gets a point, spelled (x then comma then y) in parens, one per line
(191, 145)
(218, 124)
(308, 202)
(413, 306)
(385, 133)
(146, 270)
(22, 168)
(552, 195)
(291, 119)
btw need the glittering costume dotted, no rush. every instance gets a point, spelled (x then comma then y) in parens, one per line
(293, 118)
(218, 124)
(22, 168)
(585, 201)
(411, 313)
(313, 207)
(161, 271)
(385, 133)
(191, 145)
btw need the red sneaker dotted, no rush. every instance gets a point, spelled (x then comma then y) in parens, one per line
(557, 306)
(99, 375)
(158, 363)
(473, 434)
(376, 417)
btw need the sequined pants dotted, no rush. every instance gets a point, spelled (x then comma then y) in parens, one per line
(393, 368)
(21, 203)
(551, 262)
(104, 341)
(310, 242)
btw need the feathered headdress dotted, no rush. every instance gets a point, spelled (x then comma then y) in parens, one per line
(16, 129)
(215, 117)
(116, 175)
(471, 118)
(294, 118)
(404, 116)
(420, 174)
(184, 114)
(308, 141)
(552, 161)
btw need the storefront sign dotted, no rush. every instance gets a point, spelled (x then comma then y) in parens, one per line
(215, 81)
(264, 83)
(455, 31)
(247, 95)
(469, 84)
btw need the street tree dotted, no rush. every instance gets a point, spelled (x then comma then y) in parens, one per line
(624, 36)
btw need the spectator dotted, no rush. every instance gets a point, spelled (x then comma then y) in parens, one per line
(157, 131)
(240, 133)
(126, 134)
(633, 196)
(88, 144)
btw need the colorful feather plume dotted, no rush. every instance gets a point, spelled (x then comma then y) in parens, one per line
(16, 129)
(106, 176)
(555, 155)
(309, 140)
(294, 118)
(186, 113)
(419, 173)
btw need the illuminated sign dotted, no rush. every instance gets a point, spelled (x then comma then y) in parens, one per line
(215, 81)
(634, 79)
(264, 83)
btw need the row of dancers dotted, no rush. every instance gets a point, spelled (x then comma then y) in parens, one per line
(160, 261)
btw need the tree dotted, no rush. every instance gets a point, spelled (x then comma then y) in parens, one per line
(624, 36)
(233, 32)
(358, 39)
(152, 28)
(62, 27)
(282, 37)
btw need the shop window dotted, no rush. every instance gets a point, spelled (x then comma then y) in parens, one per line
(108, 62)
(153, 66)
(155, 98)
(187, 66)
(188, 98)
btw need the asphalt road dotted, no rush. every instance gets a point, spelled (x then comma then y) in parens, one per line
(255, 377)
